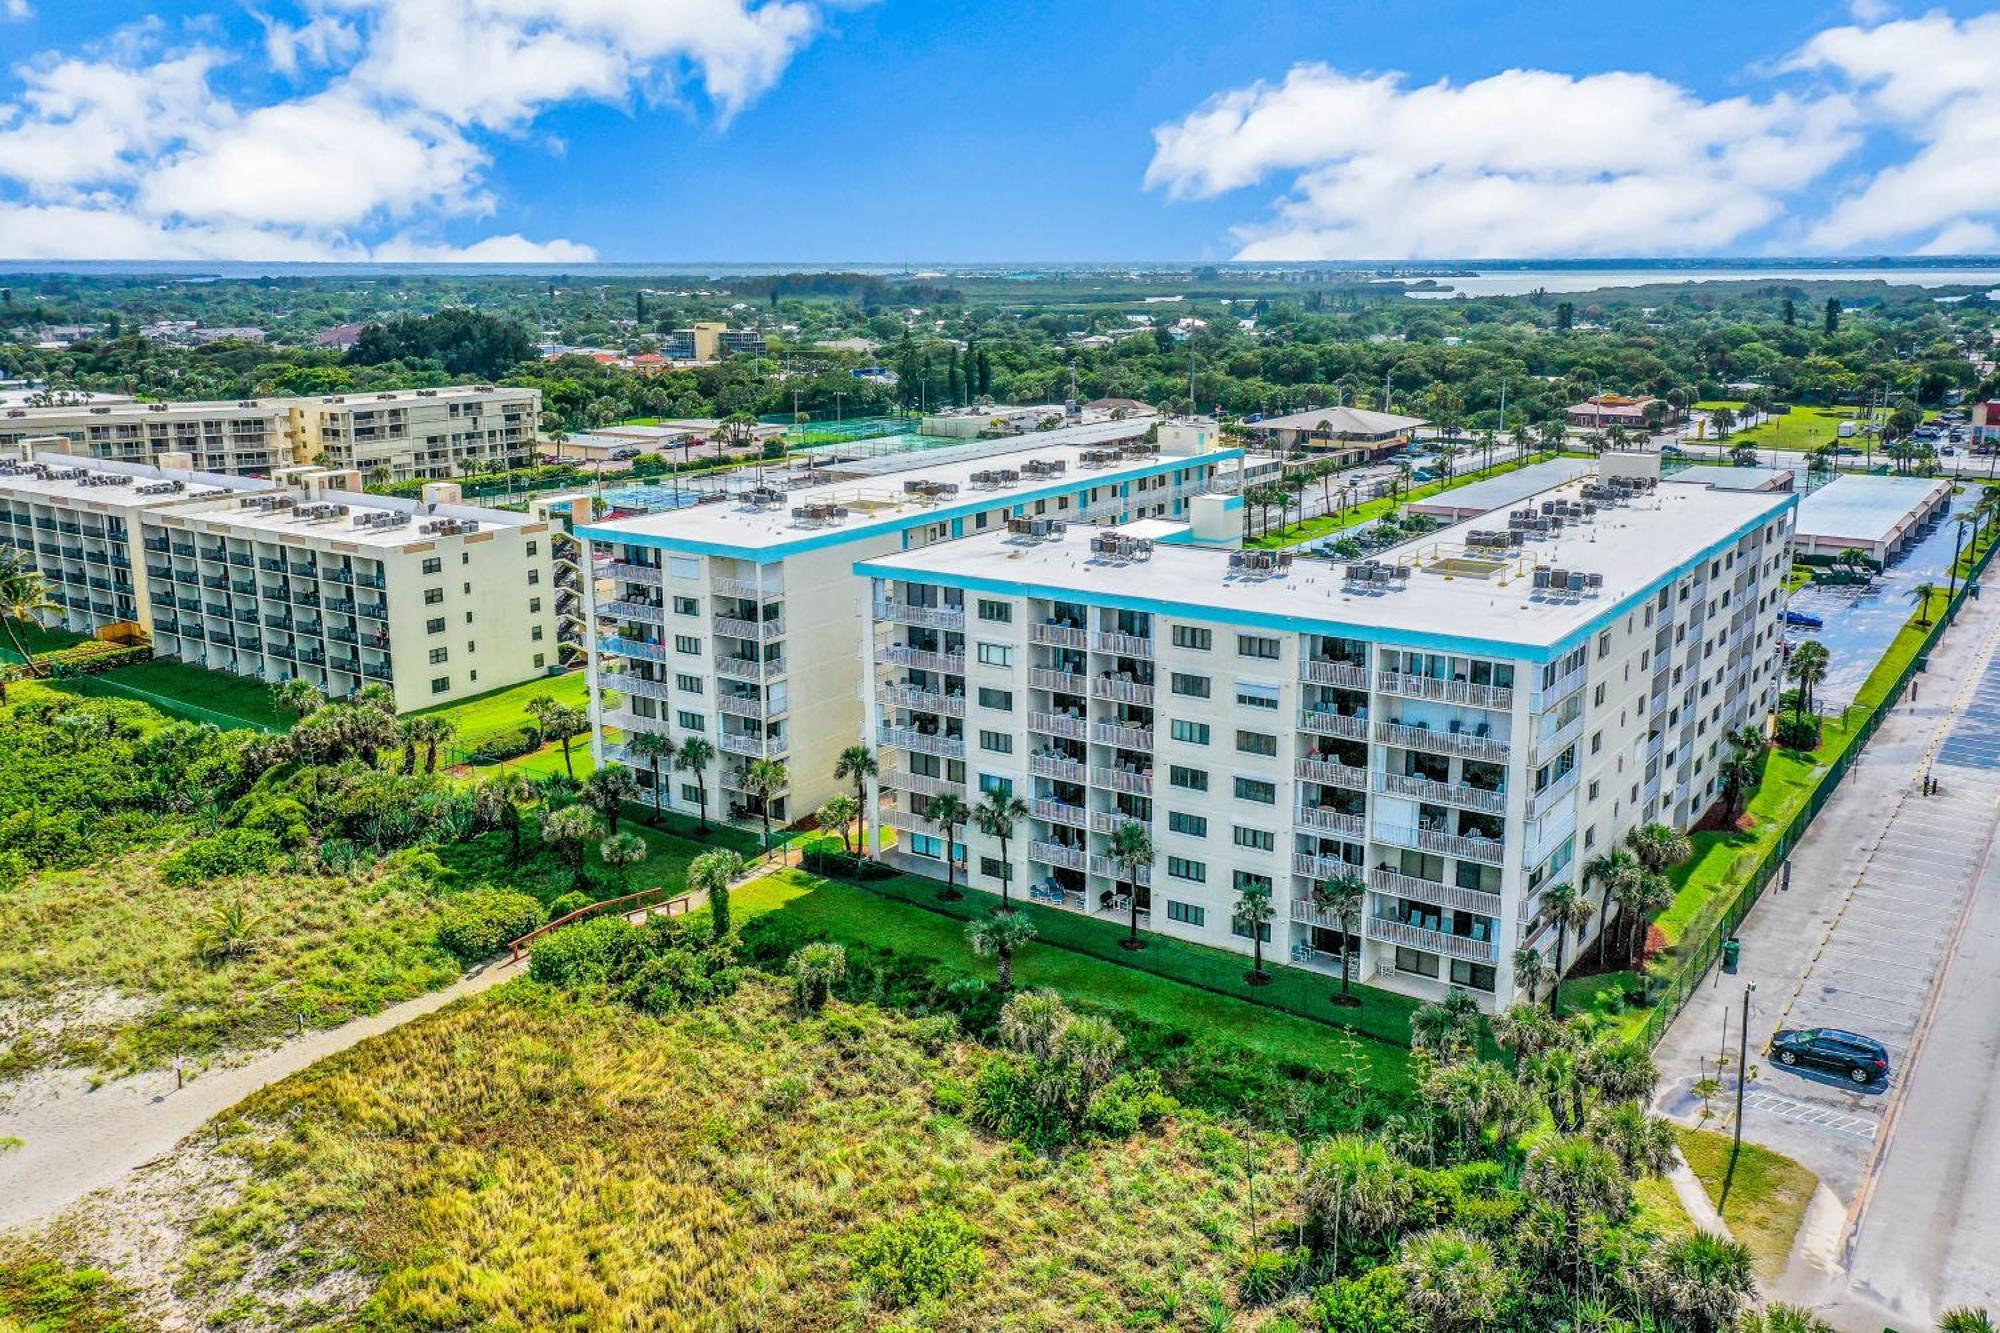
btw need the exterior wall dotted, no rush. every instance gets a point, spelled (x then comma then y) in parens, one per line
(85, 554)
(804, 703)
(1460, 788)
(234, 438)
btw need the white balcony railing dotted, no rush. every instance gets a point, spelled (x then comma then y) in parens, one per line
(1117, 779)
(1326, 722)
(1549, 797)
(1445, 691)
(629, 572)
(910, 822)
(923, 701)
(1332, 773)
(743, 705)
(1319, 867)
(1059, 636)
(1544, 699)
(1059, 724)
(762, 631)
(1048, 678)
(754, 746)
(1055, 766)
(1548, 747)
(1123, 645)
(1123, 691)
(1461, 794)
(1433, 740)
(1325, 820)
(1433, 941)
(924, 742)
(921, 783)
(1489, 851)
(753, 589)
(1055, 854)
(1322, 672)
(746, 668)
(1110, 869)
(644, 613)
(1118, 734)
(1431, 891)
(923, 659)
(637, 687)
(931, 617)
(1059, 812)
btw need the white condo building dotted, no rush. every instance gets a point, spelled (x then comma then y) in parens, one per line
(1462, 723)
(303, 576)
(737, 619)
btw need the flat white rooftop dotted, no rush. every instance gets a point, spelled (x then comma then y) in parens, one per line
(1509, 488)
(1867, 509)
(878, 503)
(1454, 598)
(75, 480)
(294, 524)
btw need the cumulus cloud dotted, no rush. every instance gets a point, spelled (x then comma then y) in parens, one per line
(17, 11)
(128, 150)
(1534, 163)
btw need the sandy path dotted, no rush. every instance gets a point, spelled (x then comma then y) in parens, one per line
(81, 1141)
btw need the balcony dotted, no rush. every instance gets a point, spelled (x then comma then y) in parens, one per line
(637, 687)
(930, 617)
(921, 783)
(1117, 779)
(1123, 736)
(1307, 865)
(742, 705)
(922, 701)
(748, 588)
(1069, 682)
(345, 576)
(1059, 724)
(1489, 851)
(1326, 722)
(1545, 699)
(341, 605)
(1059, 812)
(923, 742)
(1122, 645)
(748, 668)
(1549, 797)
(1461, 794)
(1055, 766)
(923, 659)
(1467, 744)
(1121, 691)
(644, 613)
(376, 670)
(618, 646)
(1445, 691)
(1055, 854)
(1322, 672)
(1433, 941)
(1332, 773)
(1432, 892)
(1110, 869)
(756, 747)
(1059, 636)
(629, 572)
(1331, 821)
(910, 822)
(762, 631)
(1548, 747)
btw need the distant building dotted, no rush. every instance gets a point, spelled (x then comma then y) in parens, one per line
(1610, 409)
(710, 341)
(342, 336)
(1350, 434)
(1986, 427)
(226, 334)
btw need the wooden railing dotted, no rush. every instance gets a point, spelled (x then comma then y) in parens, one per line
(630, 902)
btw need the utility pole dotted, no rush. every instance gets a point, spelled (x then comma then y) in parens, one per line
(1742, 1069)
(1503, 407)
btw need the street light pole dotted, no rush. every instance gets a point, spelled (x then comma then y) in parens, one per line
(1742, 1068)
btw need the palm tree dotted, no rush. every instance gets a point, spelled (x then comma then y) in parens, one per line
(1965, 1319)
(497, 804)
(1807, 666)
(997, 815)
(857, 764)
(1651, 894)
(1530, 971)
(1341, 898)
(695, 756)
(1000, 935)
(1659, 847)
(1253, 917)
(378, 697)
(406, 735)
(567, 831)
(432, 731)
(1643, 1144)
(949, 813)
(1922, 595)
(1698, 1281)
(1961, 523)
(1569, 910)
(560, 722)
(24, 595)
(1779, 1317)
(656, 748)
(607, 790)
(297, 697)
(622, 850)
(764, 779)
(1447, 1029)
(837, 816)
(1738, 774)
(712, 873)
(1131, 847)
(1452, 1280)
(1613, 873)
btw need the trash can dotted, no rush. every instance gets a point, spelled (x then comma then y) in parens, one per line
(1732, 949)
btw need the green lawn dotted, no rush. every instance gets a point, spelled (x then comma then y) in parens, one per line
(36, 639)
(500, 712)
(1803, 428)
(231, 702)
(865, 916)
(1766, 1197)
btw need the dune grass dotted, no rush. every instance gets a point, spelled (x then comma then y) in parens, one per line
(504, 711)
(526, 1160)
(1763, 1197)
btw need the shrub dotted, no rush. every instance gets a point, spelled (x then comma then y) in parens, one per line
(584, 954)
(836, 864)
(676, 979)
(514, 744)
(283, 818)
(1269, 1274)
(815, 970)
(1798, 733)
(927, 1257)
(569, 902)
(481, 923)
(229, 853)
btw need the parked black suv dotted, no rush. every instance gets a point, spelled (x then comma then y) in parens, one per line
(1861, 1059)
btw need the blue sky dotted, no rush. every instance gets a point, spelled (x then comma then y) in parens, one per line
(758, 130)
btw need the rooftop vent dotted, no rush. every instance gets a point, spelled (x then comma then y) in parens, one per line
(1037, 529)
(1120, 550)
(1376, 573)
(1263, 563)
(1570, 582)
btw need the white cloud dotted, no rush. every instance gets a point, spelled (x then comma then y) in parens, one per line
(1524, 162)
(130, 151)
(17, 11)
(1930, 81)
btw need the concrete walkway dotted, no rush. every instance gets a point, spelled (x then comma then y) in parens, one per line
(83, 1141)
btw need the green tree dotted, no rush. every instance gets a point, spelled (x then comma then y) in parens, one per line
(857, 764)
(1000, 936)
(1342, 897)
(607, 789)
(763, 779)
(837, 816)
(24, 596)
(1965, 1319)
(1923, 594)
(1131, 848)
(497, 803)
(949, 813)
(1357, 1195)
(695, 757)
(567, 831)
(997, 815)
(1698, 1281)
(558, 722)
(1446, 1030)
(1569, 910)
(1807, 666)
(655, 749)
(712, 873)
(1252, 916)
(622, 851)
(815, 970)
(1530, 971)
(296, 697)
(1453, 1279)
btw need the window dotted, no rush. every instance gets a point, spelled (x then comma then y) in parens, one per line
(684, 681)
(994, 868)
(534, 577)
(1478, 976)
(687, 606)
(996, 654)
(1193, 637)
(1194, 687)
(1182, 868)
(439, 684)
(1256, 839)
(1186, 913)
(1256, 645)
(534, 606)
(534, 548)
(1256, 742)
(536, 634)
(435, 625)
(1258, 790)
(998, 612)
(438, 656)
(687, 643)
(1193, 733)
(1194, 826)
(1193, 779)
(999, 700)
(691, 793)
(999, 742)
(433, 565)
(540, 659)
(433, 596)
(1256, 696)
(691, 721)
(994, 782)
(1417, 961)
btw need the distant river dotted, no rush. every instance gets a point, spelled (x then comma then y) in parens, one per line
(1519, 282)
